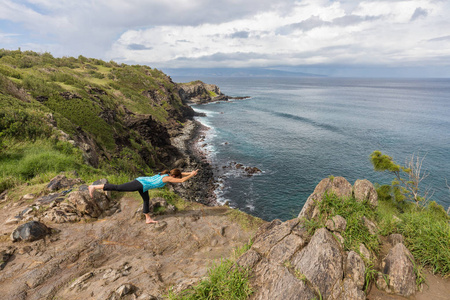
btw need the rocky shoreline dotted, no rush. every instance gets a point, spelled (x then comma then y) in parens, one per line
(201, 189)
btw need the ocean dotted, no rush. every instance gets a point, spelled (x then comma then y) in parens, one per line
(298, 131)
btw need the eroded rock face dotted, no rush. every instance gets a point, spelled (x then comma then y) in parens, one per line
(321, 262)
(399, 268)
(364, 190)
(30, 231)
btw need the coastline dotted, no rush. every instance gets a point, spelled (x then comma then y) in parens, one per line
(201, 189)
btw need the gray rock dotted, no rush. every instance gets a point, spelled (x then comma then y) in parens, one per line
(338, 185)
(61, 181)
(284, 250)
(364, 190)
(270, 235)
(396, 238)
(249, 259)
(364, 251)
(373, 229)
(5, 255)
(321, 262)
(30, 231)
(355, 269)
(124, 289)
(57, 197)
(276, 282)
(337, 223)
(351, 291)
(86, 205)
(398, 266)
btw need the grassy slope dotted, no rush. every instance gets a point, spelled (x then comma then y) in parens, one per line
(73, 93)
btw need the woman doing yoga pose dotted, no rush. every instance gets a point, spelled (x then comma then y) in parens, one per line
(143, 184)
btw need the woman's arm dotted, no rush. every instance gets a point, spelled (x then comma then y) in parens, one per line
(180, 180)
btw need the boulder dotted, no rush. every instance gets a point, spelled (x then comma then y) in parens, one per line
(276, 282)
(85, 205)
(355, 269)
(61, 181)
(399, 268)
(30, 231)
(395, 238)
(337, 223)
(364, 251)
(337, 185)
(320, 262)
(364, 190)
(371, 226)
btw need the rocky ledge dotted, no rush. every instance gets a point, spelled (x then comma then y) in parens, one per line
(108, 252)
(71, 246)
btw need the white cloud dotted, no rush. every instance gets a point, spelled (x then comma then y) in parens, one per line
(231, 33)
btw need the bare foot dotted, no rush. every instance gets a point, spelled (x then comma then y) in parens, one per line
(150, 221)
(91, 190)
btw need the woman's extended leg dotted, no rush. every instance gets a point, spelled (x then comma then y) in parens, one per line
(131, 186)
(146, 208)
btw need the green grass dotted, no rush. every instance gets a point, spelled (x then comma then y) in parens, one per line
(352, 211)
(38, 162)
(225, 281)
(427, 236)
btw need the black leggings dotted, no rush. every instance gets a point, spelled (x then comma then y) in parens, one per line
(131, 186)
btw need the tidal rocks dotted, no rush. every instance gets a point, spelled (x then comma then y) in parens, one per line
(30, 231)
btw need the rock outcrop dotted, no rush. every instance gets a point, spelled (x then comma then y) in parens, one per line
(198, 92)
(287, 262)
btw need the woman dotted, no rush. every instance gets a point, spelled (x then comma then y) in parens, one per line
(143, 184)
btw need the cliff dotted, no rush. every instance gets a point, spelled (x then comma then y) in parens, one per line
(96, 117)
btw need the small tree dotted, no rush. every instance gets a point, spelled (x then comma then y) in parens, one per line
(407, 177)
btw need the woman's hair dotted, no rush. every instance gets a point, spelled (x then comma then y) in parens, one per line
(174, 172)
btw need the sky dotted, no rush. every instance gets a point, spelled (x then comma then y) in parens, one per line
(410, 36)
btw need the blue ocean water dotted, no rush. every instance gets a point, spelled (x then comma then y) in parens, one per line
(301, 130)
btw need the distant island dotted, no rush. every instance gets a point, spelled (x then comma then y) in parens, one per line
(236, 72)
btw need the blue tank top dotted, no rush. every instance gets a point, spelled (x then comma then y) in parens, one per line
(152, 182)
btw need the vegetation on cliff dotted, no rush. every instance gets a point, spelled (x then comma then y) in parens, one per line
(83, 114)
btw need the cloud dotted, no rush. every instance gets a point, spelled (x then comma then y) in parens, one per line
(240, 35)
(439, 39)
(419, 13)
(138, 47)
(231, 33)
